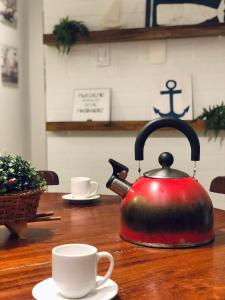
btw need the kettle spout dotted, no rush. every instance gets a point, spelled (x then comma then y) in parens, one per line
(117, 182)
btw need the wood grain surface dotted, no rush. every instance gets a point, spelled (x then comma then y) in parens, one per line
(141, 34)
(109, 126)
(141, 273)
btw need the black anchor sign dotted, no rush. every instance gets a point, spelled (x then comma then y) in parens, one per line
(171, 85)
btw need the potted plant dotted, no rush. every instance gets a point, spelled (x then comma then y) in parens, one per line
(67, 32)
(214, 118)
(20, 190)
(17, 175)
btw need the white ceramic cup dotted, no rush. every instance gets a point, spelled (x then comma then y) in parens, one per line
(83, 187)
(74, 269)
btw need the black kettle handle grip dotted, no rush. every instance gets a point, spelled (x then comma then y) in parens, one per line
(167, 122)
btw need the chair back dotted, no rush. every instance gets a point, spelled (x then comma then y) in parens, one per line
(218, 185)
(50, 176)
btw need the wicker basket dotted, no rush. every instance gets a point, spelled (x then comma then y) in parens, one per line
(18, 207)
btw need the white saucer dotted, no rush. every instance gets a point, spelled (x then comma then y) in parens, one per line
(47, 290)
(71, 198)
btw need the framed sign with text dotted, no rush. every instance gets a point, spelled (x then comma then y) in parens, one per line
(91, 104)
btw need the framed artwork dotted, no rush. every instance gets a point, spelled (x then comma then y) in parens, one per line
(181, 12)
(172, 97)
(9, 65)
(91, 104)
(8, 12)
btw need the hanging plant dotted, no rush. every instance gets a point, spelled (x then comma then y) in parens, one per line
(67, 32)
(214, 118)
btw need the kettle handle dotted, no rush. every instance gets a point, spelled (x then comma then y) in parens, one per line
(178, 124)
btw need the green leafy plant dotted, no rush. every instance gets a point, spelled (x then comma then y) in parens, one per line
(214, 118)
(66, 33)
(17, 175)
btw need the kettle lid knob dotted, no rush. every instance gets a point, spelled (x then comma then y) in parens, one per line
(166, 159)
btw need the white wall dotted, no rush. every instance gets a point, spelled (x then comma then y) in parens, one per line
(35, 63)
(131, 75)
(22, 122)
(14, 121)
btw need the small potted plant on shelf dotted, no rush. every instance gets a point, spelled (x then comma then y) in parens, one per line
(20, 190)
(214, 118)
(67, 32)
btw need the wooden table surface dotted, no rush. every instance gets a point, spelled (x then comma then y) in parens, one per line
(141, 273)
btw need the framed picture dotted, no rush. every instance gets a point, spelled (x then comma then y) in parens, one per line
(9, 64)
(184, 12)
(91, 104)
(8, 12)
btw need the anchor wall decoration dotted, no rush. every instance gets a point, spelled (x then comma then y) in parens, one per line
(171, 86)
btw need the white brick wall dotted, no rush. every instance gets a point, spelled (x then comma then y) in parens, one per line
(131, 76)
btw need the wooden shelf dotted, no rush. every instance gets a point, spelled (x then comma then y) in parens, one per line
(108, 126)
(138, 34)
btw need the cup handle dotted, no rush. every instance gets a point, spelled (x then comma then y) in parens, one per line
(94, 186)
(109, 272)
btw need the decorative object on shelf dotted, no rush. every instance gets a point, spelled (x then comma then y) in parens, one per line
(66, 33)
(187, 12)
(174, 102)
(20, 190)
(8, 12)
(214, 118)
(91, 104)
(9, 65)
(111, 18)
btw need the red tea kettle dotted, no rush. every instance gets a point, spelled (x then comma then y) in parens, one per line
(165, 207)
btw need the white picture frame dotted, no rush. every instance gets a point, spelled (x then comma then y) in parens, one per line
(92, 104)
(9, 65)
(8, 12)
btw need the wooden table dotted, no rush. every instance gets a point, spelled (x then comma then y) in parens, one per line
(141, 273)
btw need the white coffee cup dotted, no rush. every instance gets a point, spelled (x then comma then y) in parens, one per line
(83, 187)
(74, 269)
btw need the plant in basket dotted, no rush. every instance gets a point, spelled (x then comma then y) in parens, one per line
(20, 190)
(17, 175)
